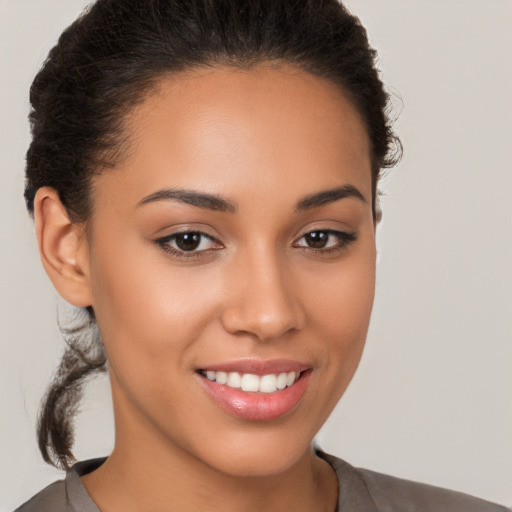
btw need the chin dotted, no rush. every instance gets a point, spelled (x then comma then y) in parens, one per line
(257, 465)
(262, 454)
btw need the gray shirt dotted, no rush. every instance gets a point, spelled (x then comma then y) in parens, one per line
(360, 490)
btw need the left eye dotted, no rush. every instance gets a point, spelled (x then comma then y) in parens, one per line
(188, 241)
(325, 239)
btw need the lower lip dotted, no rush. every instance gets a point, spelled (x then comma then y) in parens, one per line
(257, 406)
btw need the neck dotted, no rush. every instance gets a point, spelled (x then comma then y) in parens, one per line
(168, 480)
(149, 471)
(118, 486)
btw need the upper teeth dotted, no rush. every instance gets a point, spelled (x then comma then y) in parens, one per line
(250, 382)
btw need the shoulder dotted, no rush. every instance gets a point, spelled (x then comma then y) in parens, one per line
(377, 492)
(396, 494)
(67, 495)
(51, 499)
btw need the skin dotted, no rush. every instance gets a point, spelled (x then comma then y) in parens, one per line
(263, 139)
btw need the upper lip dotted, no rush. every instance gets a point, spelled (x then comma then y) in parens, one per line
(258, 366)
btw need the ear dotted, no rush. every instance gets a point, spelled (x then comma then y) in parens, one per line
(63, 248)
(378, 210)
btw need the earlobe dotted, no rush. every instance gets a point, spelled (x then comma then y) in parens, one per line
(62, 247)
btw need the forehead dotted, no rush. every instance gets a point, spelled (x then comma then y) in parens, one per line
(244, 129)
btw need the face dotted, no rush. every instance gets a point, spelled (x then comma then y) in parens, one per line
(231, 266)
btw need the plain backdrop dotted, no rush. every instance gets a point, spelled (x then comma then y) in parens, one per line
(432, 398)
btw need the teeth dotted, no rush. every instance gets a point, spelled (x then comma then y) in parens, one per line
(221, 377)
(249, 382)
(234, 380)
(281, 380)
(268, 384)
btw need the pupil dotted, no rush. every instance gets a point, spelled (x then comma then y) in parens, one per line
(317, 239)
(188, 241)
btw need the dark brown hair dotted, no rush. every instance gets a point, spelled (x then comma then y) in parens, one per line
(108, 60)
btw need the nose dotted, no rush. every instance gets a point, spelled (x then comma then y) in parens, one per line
(263, 300)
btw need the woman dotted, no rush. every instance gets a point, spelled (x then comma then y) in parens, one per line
(203, 177)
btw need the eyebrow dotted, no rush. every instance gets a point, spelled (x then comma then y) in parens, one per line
(192, 197)
(329, 196)
(219, 204)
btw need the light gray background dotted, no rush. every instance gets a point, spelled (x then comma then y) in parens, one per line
(432, 398)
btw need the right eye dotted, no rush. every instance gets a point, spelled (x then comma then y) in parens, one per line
(326, 241)
(188, 244)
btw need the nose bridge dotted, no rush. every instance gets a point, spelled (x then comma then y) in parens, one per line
(262, 299)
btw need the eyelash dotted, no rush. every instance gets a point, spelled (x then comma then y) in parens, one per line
(344, 239)
(163, 243)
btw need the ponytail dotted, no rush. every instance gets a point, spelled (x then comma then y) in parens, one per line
(83, 357)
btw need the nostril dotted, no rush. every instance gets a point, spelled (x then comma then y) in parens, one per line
(262, 300)
(261, 321)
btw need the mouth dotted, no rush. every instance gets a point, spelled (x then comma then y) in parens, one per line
(249, 382)
(256, 391)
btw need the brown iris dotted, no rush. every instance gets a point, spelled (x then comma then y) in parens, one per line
(317, 239)
(188, 241)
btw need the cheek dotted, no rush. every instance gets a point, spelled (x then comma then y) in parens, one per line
(340, 312)
(344, 298)
(147, 311)
(151, 312)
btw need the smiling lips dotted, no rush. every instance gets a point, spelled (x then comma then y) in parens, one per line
(256, 390)
(269, 383)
